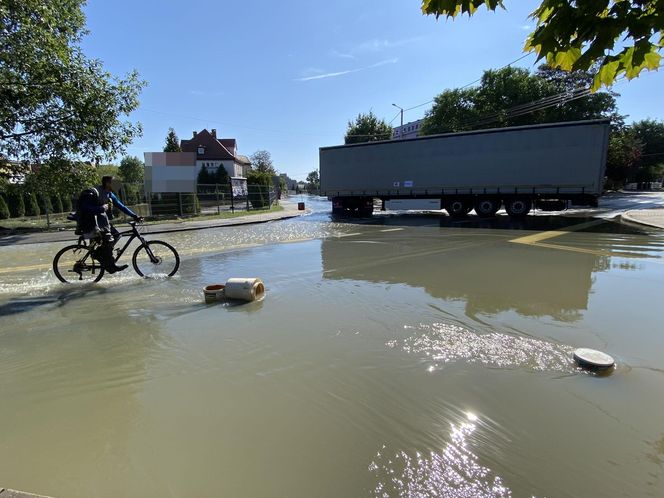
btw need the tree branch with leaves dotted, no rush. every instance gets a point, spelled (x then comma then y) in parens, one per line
(619, 38)
(54, 101)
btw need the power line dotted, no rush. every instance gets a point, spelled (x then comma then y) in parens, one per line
(469, 84)
(530, 107)
(395, 117)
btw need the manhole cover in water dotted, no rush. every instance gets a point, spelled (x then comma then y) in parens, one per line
(590, 358)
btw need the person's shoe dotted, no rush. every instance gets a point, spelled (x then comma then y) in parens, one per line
(115, 268)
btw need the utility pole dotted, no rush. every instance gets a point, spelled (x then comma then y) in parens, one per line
(401, 128)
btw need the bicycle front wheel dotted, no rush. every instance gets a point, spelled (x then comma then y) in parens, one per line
(156, 259)
(75, 265)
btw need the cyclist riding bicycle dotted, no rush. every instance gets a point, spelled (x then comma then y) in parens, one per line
(95, 210)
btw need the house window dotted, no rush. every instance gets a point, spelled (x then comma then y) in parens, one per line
(201, 150)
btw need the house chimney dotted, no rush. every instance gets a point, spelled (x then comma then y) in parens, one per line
(194, 135)
(214, 132)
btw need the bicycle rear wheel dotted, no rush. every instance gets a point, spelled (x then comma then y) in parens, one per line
(156, 259)
(74, 264)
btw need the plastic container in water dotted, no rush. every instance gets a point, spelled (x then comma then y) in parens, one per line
(244, 289)
(214, 293)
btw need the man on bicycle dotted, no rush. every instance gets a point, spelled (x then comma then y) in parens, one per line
(95, 210)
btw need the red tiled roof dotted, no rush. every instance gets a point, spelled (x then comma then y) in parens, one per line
(214, 148)
(229, 143)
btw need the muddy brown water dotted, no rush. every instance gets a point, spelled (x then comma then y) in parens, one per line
(404, 357)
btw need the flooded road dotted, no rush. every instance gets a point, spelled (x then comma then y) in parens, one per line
(399, 356)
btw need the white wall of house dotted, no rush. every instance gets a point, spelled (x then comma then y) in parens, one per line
(232, 168)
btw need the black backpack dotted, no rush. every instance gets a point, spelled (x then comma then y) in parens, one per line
(86, 222)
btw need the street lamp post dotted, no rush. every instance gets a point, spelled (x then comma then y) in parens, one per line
(401, 127)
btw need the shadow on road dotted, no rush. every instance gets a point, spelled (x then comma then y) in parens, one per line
(58, 298)
(500, 222)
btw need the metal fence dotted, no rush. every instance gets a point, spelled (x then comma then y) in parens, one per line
(209, 199)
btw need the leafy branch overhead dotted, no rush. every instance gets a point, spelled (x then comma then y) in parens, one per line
(620, 38)
(55, 101)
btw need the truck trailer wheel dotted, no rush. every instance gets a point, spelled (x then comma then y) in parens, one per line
(457, 208)
(518, 207)
(487, 207)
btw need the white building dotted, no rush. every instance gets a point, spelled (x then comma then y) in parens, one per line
(178, 171)
(408, 130)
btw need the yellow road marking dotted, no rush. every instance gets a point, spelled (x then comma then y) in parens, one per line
(27, 267)
(392, 230)
(538, 237)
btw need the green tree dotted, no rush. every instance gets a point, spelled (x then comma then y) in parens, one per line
(617, 36)
(258, 186)
(172, 142)
(623, 157)
(62, 177)
(45, 204)
(107, 170)
(15, 201)
(261, 161)
(56, 202)
(513, 97)
(221, 176)
(313, 182)
(367, 128)
(31, 205)
(453, 110)
(595, 106)
(131, 170)
(54, 100)
(4, 210)
(66, 203)
(651, 133)
(205, 177)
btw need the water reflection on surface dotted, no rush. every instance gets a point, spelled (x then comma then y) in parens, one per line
(441, 343)
(454, 472)
(390, 357)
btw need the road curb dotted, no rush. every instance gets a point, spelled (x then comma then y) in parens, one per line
(12, 493)
(208, 227)
(629, 218)
(231, 223)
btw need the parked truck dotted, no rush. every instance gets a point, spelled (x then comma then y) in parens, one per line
(548, 166)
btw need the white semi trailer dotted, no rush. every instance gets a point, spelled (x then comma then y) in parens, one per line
(548, 166)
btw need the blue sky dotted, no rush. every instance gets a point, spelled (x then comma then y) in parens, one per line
(287, 76)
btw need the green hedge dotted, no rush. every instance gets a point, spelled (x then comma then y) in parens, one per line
(258, 187)
(31, 205)
(4, 209)
(45, 205)
(56, 202)
(16, 203)
(67, 204)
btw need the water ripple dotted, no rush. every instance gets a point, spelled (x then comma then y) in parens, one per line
(444, 343)
(454, 472)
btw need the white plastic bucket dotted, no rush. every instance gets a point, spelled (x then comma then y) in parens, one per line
(244, 289)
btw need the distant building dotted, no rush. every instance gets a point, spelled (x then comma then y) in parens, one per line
(178, 171)
(16, 171)
(290, 183)
(408, 130)
(213, 152)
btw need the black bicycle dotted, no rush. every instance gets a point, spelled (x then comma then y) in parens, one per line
(152, 259)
